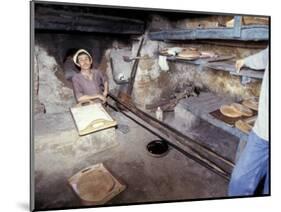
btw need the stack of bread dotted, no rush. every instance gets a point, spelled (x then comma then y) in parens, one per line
(236, 110)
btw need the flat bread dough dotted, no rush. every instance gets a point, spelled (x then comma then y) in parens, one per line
(243, 126)
(245, 111)
(251, 103)
(94, 186)
(230, 111)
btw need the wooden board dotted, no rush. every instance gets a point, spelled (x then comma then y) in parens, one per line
(91, 118)
(228, 120)
(231, 120)
(100, 192)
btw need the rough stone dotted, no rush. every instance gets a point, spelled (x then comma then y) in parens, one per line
(185, 120)
(146, 89)
(51, 92)
(95, 142)
(38, 107)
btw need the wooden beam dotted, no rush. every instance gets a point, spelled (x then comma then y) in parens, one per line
(238, 44)
(248, 33)
(134, 69)
(237, 26)
(63, 20)
(200, 61)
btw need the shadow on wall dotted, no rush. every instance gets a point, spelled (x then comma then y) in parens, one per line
(61, 45)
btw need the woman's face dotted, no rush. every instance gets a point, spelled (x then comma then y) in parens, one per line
(84, 61)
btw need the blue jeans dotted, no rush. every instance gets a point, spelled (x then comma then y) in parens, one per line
(251, 167)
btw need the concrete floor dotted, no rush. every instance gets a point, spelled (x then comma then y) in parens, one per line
(148, 179)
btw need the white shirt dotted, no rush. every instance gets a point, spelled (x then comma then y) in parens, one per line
(260, 61)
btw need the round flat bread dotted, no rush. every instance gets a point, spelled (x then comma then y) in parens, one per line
(243, 126)
(94, 186)
(229, 111)
(245, 111)
(189, 54)
(206, 54)
(251, 103)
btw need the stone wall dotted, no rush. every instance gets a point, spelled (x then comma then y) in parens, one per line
(152, 83)
(51, 93)
(54, 93)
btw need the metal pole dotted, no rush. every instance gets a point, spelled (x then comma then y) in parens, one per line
(195, 151)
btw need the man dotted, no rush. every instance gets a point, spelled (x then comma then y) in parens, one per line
(252, 165)
(89, 84)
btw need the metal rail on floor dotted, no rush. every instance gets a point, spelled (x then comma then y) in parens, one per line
(191, 148)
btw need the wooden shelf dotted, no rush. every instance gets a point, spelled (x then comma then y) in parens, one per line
(231, 69)
(216, 64)
(247, 33)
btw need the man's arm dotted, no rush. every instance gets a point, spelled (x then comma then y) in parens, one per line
(87, 98)
(257, 61)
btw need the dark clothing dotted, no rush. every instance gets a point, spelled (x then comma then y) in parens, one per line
(83, 86)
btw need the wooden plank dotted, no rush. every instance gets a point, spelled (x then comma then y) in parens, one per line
(248, 33)
(200, 61)
(108, 186)
(134, 69)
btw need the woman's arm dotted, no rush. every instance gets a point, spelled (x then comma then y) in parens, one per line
(257, 61)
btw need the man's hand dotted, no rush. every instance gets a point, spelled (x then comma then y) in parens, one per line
(102, 98)
(105, 94)
(238, 65)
